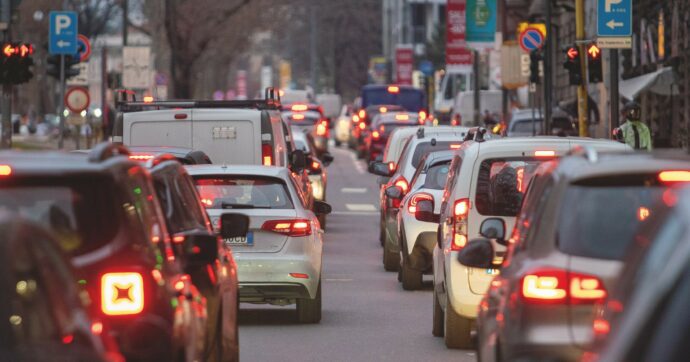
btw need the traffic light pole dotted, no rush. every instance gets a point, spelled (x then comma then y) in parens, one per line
(548, 70)
(613, 84)
(61, 102)
(6, 136)
(582, 89)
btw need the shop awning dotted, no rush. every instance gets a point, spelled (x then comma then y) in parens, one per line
(662, 82)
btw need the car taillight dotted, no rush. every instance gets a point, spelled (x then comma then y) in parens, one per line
(375, 135)
(296, 227)
(461, 211)
(362, 125)
(315, 166)
(5, 170)
(392, 166)
(560, 286)
(393, 89)
(322, 128)
(402, 117)
(355, 119)
(402, 183)
(422, 117)
(456, 120)
(299, 107)
(140, 157)
(545, 153)
(671, 177)
(122, 293)
(298, 117)
(267, 154)
(383, 109)
(412, 204)
(362, 114)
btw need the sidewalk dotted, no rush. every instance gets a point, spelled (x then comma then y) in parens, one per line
(34, 142)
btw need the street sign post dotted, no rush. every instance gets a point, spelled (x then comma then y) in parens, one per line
(62, 40)
(531, 39)
(614, 18)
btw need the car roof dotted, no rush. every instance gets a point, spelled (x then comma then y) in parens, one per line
(250, 170)
(54, 163)
(517, 143)
(614, 163)
(175, 151)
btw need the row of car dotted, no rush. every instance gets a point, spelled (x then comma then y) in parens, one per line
(525, 239)
(152, 246)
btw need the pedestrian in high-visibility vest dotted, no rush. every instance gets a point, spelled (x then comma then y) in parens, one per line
(634, 132)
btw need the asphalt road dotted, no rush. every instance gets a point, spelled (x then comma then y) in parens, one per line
(367, 316)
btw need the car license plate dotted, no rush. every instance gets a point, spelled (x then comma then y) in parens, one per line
(247, 240)
(492, 271)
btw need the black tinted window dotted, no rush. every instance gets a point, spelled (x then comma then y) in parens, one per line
(243, 192)
(599, 218)
(501, 184)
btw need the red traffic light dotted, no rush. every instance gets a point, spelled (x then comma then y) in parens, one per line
(573, 52)
(593, 51)
(22, 50)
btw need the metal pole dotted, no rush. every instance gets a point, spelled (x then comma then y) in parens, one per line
(7, 128)
(477, 91)
(548, 69)
(105, 119)
(61, 102)
(582, 89)
(531, 104)
(615, 99)
(312, 48)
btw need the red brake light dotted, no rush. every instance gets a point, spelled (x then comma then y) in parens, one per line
(422, 116)
(402, 183)
(375, 135)
(298, 117)
(674, 176)
(383, 109)
(392, 166)
(642, 213)
(601, 327)
(362, 114)
(456, 120)
(122, 293)
(315, 166)
(267, 154)
(412, 205)
(558, 286)
(402, 117)
(5, 170)
(461, 211)
(393, 89)
(299, 275)
(148, 99)
(355, 118)
(545, 153)
(296, 227)
(455, 146)
(322, 128)
(299, 107)
(362, 125)
(141, 157)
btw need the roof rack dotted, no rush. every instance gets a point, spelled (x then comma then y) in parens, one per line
(475, 134)
(589, 153)
(106, 150)
(272, 101)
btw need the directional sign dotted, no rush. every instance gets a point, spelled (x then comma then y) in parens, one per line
(531, 39)
(614, 18)
(62, 32)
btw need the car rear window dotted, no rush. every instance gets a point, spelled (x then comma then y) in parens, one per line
(243, 192)
(410, 99)
(302, 118)
(501, 185)
(525, 125)
(81, 214)
(426, 147)
(436, 176)
(600, 216)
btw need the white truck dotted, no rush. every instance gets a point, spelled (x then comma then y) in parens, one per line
(451, 84)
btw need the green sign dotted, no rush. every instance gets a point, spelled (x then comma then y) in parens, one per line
(481, 22)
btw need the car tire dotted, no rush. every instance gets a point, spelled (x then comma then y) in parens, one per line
(437, 324)
(411, 278)
(322, 221)
(456, 328)
(391, 260)
(309, 310)
(382, 235)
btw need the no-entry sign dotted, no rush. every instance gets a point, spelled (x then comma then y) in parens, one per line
(77, 99)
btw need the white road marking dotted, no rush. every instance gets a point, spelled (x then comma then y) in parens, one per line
(355, 213)
(353, 190)
(360, 207)
(358, 165)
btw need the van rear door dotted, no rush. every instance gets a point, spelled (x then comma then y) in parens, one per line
(158, 128)
(229, 136)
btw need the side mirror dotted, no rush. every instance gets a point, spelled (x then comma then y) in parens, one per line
(425, 212)
(327, 159)
(199, 249)
(478, 253)
(298, 160)
(321, 208)
(380, 168)
(493, 228)
(233, 225)
(394, 192)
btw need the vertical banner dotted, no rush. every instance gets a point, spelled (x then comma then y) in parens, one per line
(241, 81)
(481, 23)
(377, 70)
(458, 56)
(404, 64)
(285, 70)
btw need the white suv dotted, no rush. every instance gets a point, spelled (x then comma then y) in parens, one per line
(487, 179)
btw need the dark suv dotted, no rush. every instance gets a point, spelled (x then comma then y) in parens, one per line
(190, 226)
(104, 213)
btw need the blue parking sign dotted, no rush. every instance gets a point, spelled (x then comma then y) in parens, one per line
(614, 18)
(62, 32)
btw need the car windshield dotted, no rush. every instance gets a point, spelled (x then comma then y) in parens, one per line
(81, 215)
(426, 147)
(501, 185)
(608, 213)
(436, 176)
(243, 192)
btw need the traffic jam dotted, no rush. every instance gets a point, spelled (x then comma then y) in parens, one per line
(442, 206)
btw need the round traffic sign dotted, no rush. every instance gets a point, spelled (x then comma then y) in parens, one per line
(77, 99)
(83, 48)
(531, 39)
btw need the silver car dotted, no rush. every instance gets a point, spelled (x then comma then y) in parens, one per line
(279, 260)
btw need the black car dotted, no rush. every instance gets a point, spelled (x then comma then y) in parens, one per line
(103, 210)
(189, 226)
(41, 303)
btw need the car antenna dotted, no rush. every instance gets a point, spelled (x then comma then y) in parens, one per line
(420, 132)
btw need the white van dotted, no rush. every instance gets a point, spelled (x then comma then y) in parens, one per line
(463, 107)
(330, 103)
(229, 132)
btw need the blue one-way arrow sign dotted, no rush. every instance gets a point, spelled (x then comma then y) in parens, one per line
(614, 18)
(62, 32)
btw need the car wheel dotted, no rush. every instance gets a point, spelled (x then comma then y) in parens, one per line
(322, 221)
(309, 310)
(411, 278)
(456, 329)
(391, 260)
(437, 327)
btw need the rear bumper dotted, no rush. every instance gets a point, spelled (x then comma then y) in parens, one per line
(262, 292)
(530, 352)
(146, 337)
(265, 276)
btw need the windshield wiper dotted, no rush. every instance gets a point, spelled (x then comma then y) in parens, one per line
(227, 205)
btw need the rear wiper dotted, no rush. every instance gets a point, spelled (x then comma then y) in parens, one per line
(227, 205)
